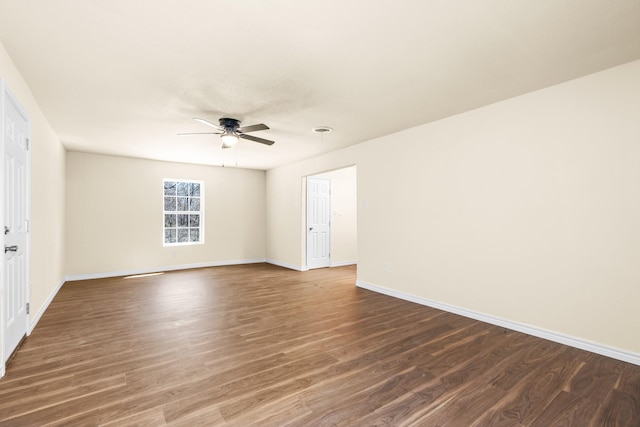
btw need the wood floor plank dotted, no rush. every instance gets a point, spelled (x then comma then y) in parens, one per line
(620, 409)
(84, 419)
(151, 417)
(222, 390)
(629, 380)
(282, 413)
(63, 395)
(528, 398)
(205, 417)
(566, 410)
(260, 345)
(329, 378)
(597, 377)
(57, 410)
(147, 393)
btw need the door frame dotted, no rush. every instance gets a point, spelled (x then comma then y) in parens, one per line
(7, 96)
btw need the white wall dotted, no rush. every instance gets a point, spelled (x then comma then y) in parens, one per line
(526, 210)
(114, 215)
(344, 220)
(48, 193)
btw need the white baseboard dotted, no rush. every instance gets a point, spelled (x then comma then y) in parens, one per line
(73, 277)
(287, 265)
(305, 268)
(603, 350)
(344, 263)
(44, 307)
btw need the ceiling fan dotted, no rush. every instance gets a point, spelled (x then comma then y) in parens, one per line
(230, 131)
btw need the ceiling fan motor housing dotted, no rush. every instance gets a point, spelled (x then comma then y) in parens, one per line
(229, 124)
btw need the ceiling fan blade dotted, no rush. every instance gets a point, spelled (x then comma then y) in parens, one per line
(200, 133)
(256, 139)
(253, 128)
(208, 123)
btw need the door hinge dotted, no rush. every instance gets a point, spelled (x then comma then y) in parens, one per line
(27, 308)
(26, 225)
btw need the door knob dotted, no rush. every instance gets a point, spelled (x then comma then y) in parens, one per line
(13, 248)
(310, 228)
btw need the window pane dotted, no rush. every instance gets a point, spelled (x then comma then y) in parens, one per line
(194, 188)
(170, 236)
(183, 204)
(194, 234)
(183, 220)
(170, 188)
(194, 204)
(183, 188)
(169, 203)
(183, 235)
(169, 220)
(194, 220)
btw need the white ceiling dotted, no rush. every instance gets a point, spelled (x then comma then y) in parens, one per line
(124, 77)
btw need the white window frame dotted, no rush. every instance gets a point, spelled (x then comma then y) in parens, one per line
(182, 212)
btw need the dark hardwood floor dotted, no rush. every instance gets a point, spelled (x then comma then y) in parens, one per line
(262, 345)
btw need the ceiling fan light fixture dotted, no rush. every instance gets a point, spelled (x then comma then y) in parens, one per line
(230, 131)
(229, 139)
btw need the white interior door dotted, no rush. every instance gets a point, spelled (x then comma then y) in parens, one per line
(15, 228)
(318, 223)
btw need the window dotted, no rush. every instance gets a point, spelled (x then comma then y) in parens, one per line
(183, 208)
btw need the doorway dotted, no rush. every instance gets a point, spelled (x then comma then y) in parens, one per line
(338, 246)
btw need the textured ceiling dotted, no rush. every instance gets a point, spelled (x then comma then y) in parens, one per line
(125, 77)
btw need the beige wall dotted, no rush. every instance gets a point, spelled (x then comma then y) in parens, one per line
(526, 210)
(48, 192)
(344, 221)
(114, 214)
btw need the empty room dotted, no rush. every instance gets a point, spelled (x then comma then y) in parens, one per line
(320, 213)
